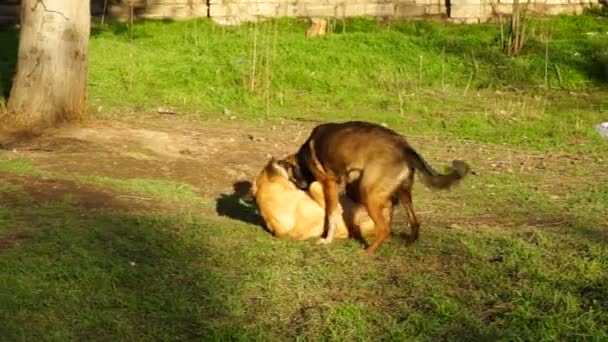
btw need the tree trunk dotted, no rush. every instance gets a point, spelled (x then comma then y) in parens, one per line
(49, 86)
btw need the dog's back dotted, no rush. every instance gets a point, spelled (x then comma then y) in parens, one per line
(353, 143)
(344, 149)
(347, 148)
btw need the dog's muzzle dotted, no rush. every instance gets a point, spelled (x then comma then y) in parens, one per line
(300, 184)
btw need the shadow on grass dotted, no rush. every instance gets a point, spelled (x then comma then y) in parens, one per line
(121, 30)
(593, 233)
(124, 30)
(562, 220)
(78, 273)
(73, 272)
(9, 42)
(234, 205)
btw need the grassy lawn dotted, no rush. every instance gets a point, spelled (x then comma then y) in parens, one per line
(69, 273)
(419, 76)
(519, 252)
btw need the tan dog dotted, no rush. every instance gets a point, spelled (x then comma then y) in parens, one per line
(291, 213)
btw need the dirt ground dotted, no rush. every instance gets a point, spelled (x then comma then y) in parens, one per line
(215, 156)
(210, 156)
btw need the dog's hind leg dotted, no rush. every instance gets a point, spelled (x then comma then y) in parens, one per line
(405, 196)
(376, 208)
(376, 212)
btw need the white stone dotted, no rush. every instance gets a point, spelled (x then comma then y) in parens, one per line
(167, 2)
(320, 10)
(464, 20)
(380, 10)
(354, 10)
(405, 11)
(503, 9)
(265, 9)
(435, 9)
(466, 2)
(218, 11)
(466, 11)
(287, 10)
(239, 10)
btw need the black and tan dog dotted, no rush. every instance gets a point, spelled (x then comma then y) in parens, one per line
(378, 165)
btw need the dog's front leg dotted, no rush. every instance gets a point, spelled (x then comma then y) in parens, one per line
(332, 214)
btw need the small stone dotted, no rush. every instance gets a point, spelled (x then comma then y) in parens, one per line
(163, 110)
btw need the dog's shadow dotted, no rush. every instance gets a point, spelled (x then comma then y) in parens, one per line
(239, 205)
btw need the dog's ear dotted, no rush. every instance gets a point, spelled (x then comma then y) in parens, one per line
(278, 167)
(271, 165)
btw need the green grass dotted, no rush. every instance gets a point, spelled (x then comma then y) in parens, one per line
(417, 76)
(447, 76)
(78, 275)
(508, 256)
(500, 259)
(21, 167)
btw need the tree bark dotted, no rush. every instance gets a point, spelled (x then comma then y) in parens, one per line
(49, 86)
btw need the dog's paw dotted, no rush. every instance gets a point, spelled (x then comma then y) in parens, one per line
(362, 252)
(323, 241)
(368, 252)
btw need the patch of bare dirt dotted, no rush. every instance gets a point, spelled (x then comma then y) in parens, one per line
(213, 156)
(209, 156)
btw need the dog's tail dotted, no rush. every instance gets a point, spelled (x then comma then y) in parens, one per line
(431, 177)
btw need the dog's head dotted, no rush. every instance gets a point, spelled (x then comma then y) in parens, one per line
(294, 171)
(283, 168)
